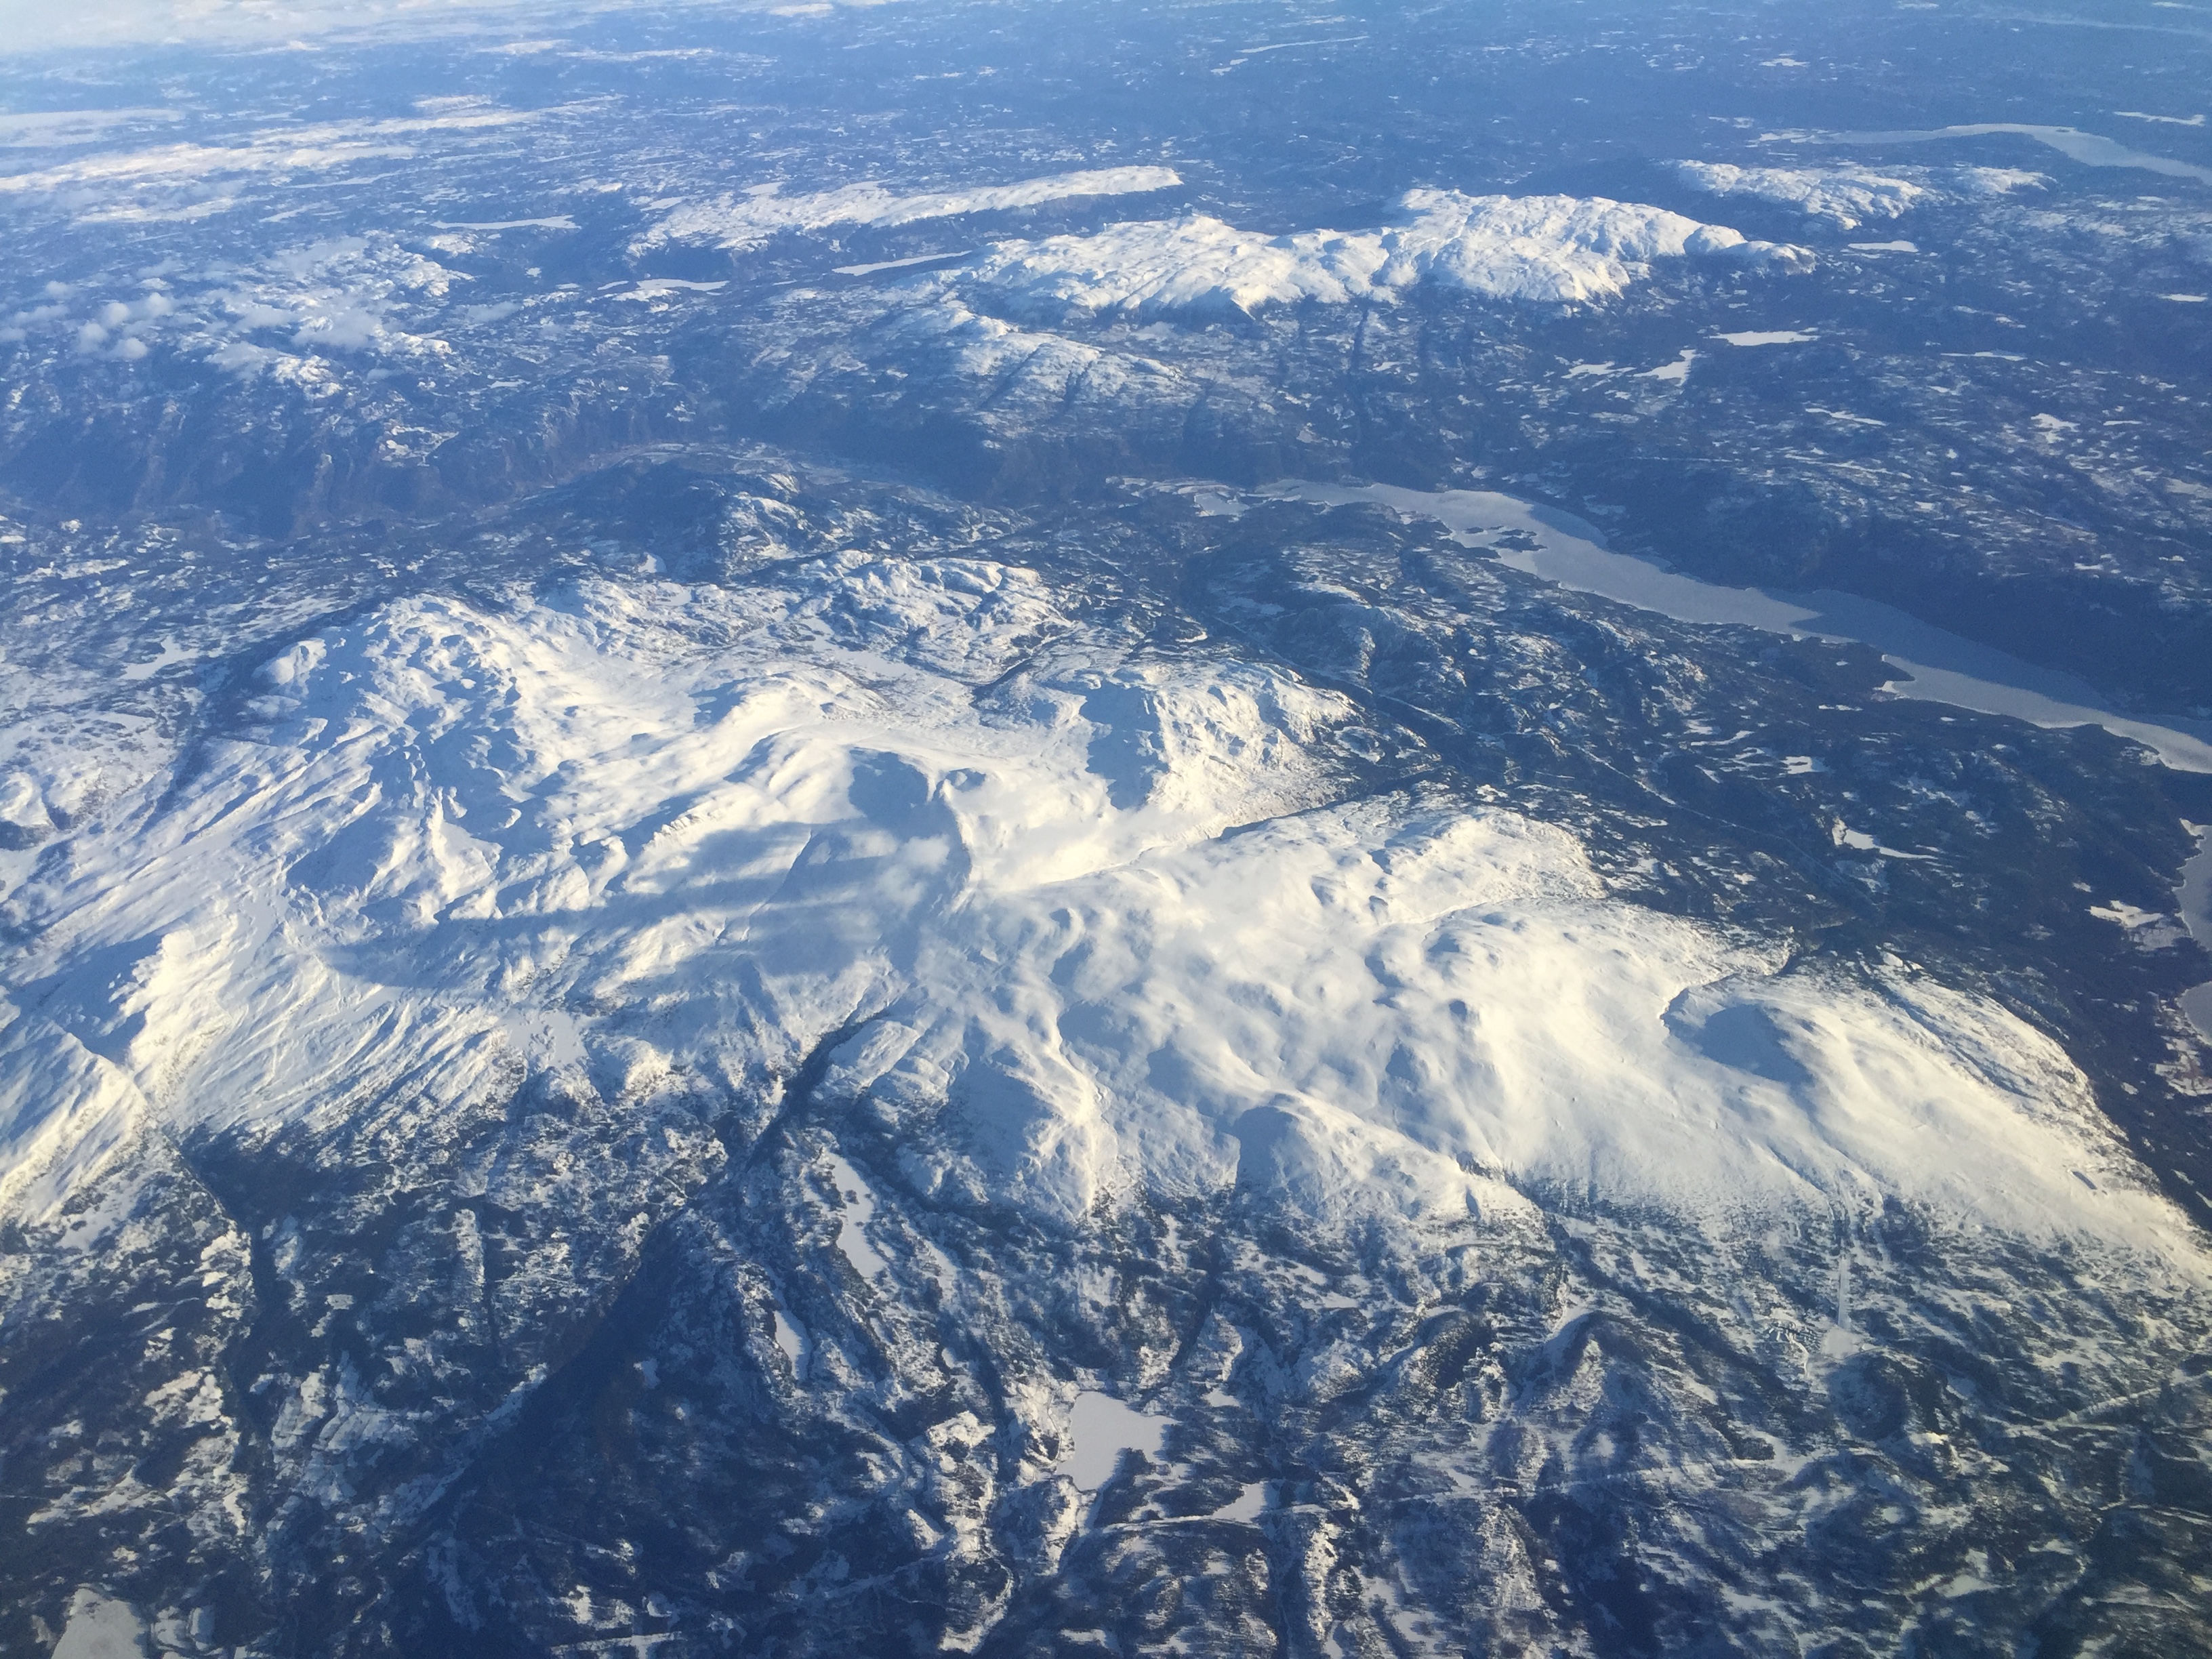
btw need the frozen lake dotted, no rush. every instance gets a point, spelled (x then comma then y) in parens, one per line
(1099, 1430)
(2087, 147)
(1937, 666)
(860, 1200)
(1934, 664)
(2196, 916)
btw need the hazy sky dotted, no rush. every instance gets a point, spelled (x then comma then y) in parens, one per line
(30, 25)
(34, 23)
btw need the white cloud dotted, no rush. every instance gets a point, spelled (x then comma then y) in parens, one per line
(346, 294)
(286, 149)
(28, 26)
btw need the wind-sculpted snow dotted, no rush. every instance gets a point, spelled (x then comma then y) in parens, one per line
(1359, 1006)
(1554, 249)
(689, 835)
(917, 1004)
(739, 222)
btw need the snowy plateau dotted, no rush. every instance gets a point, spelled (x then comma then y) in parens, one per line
(1058, 909)
(764, 212)
(1849, 196)
(1553, 249)
(1057, 831)
(1054, 938)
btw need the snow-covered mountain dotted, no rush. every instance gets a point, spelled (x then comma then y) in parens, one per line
(1540, 248)
(925, 935)
(740, 223)
(679, 832)
(877, 829)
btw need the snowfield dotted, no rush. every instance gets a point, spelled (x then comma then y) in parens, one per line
(1848, 197)
(755, 897)
(1550, 249)
(1086, 925)
(921, 1045)
(741, 222)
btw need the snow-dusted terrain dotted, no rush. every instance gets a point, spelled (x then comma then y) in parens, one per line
(872, 829)
(675, 832)
(741, 222)
(1059, 930)
(1555, 249)
(1850, 196)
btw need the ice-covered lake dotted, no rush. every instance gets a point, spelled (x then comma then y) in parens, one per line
(1099, 1430)
(1934, 664)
